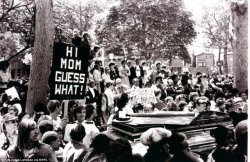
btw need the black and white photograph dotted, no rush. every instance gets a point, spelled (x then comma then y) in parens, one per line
(124, 80)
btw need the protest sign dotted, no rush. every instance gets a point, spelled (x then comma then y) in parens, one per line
(12, 93)
(69, 71)
(143, 96)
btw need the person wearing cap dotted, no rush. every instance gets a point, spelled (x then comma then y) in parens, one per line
(9, 135)
(157, 141)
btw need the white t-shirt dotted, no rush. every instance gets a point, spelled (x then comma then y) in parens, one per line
(91, 131)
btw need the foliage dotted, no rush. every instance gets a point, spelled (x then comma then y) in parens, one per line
(17, 21)
(81, 16)
(216, 24)
(152, 28)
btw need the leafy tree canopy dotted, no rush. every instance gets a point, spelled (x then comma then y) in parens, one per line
(152, 28)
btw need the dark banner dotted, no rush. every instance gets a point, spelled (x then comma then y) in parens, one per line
(69, 71)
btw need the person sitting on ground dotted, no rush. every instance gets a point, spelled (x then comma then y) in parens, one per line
(224, 137)
(98, 149)
(28, 145)
(157, 141)
(75, 150)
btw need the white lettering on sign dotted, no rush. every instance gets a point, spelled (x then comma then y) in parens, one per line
(71, 64)
(65, 89)
(69, 77)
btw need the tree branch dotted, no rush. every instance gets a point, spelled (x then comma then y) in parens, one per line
(19, 52)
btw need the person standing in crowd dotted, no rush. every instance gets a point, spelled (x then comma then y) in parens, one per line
(92, 94)
(55, 109)
(5, 76)
(51, 138)
(139, 72)
(97, 77)
(75, 150)
(28, 145)
(155, 72)
(76, 39)
(124, 73)
(114, 73)
(132, 72)
(103, 110)
(110, 94)
(106, 74)
(90, 126)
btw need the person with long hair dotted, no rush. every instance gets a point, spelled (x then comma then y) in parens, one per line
(28, 145)
(103, 110)
(9, 135)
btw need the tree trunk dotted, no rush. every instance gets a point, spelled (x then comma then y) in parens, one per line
(225, 59)
(239, 15)
(41, 61)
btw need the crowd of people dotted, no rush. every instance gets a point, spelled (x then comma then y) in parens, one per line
(44, 135)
